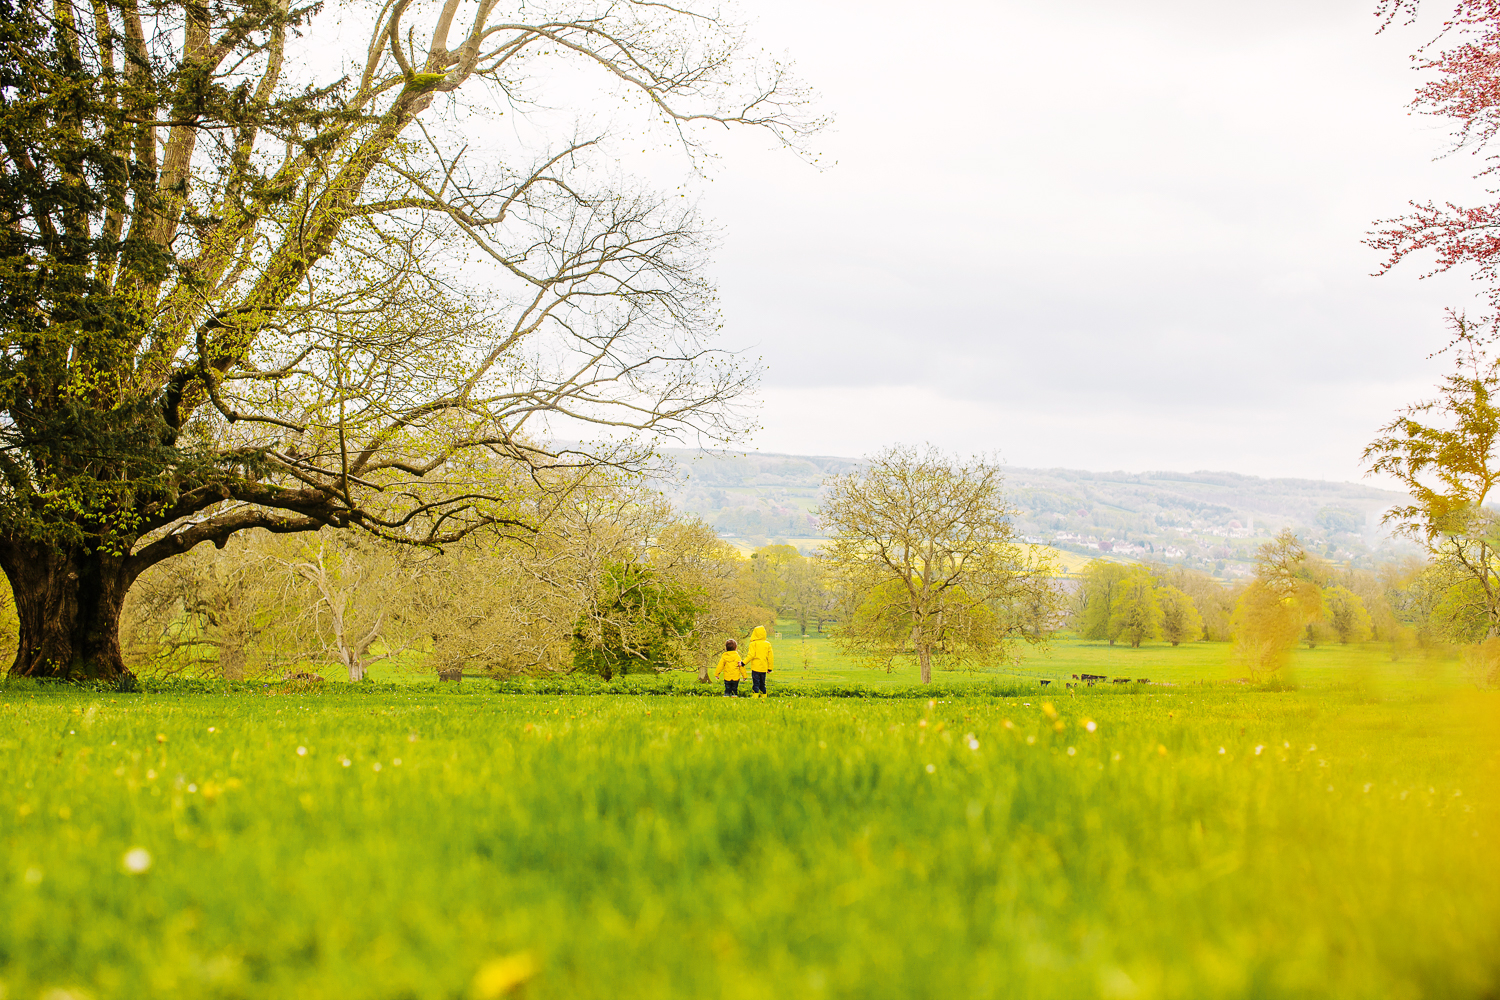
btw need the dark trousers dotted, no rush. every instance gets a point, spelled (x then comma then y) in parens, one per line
(757, 682)
(732, 688)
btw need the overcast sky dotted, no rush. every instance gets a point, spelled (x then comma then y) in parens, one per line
(1100, 235)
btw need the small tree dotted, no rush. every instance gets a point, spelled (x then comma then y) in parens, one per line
(1180, 620)
(1212, 600)
(1275, 609)
(1101, 583)
(208, 611)
(1443, 451)
(927, 553)
(347, 586)
(1345, 614)
(1135, 614)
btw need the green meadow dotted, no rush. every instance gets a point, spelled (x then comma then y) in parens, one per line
(1201, 840)
(815, 660)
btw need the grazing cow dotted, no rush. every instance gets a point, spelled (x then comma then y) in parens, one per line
(1143, 680)
(1120, 680)
(1075, 677)
(1045, 682)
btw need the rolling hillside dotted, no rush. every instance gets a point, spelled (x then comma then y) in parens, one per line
(1207, 520)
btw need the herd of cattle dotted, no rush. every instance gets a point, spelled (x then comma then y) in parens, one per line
(1092, 679)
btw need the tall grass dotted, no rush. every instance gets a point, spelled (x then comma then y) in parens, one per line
(1341, 844)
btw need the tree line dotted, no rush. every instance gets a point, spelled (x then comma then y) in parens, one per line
(597, 573)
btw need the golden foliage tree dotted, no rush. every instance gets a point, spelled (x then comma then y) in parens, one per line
(1275, 609)
(1094, 614)
(1135, 612)
(1180, 619)
(1345, 614)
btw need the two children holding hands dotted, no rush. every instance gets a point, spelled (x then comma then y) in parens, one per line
(759, 659)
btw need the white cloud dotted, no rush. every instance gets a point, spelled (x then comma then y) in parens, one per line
(1108, 236)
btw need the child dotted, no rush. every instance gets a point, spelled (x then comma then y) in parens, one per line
(731, 668)
(761, 660)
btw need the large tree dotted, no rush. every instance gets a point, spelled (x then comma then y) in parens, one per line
(248, 279)
(928, 557)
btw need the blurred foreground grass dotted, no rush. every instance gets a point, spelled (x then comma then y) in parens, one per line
(1198, 842)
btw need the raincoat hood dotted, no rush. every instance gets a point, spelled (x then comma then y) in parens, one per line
(758, 655)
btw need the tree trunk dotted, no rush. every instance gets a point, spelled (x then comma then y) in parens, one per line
(68, 604)
(924, 658)
(232, 659)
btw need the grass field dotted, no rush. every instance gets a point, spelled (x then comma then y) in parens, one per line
(816, 660)
(448, 841)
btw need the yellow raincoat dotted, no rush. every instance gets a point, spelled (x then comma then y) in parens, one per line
(729, 666)
(758, 655)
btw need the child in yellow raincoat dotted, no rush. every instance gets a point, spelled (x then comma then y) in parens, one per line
(760, 658)
(731, 668)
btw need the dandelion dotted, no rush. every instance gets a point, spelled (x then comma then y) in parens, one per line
(212, 729)
(1048, 710)
(1367, 787)
(150, 774)
(345, 761)
(1115, 755)
(1161, 749)
(932, 704)
(1008, 724)
(192, 788)
(1286, 745)
(503, 976)
(822, 745)
(1072, 751)
(1030, 740)
(396, 762)
(302, 751)
(161, 737)
(1221, 751)
(1312, 747)
(973, 743)
(137, 860)
(1091, 725)
(377, 765)
(931, 769)
(1258, 749)
(922, 723)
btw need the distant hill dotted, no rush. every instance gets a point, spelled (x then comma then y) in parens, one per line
(1212, 521)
